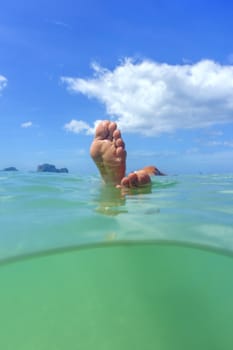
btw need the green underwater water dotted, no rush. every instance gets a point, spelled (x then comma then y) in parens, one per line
(118, 297)
(84, 266)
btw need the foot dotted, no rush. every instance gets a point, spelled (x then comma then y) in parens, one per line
(136, 179)
(152, 170)
(108, 152)
(141, 177)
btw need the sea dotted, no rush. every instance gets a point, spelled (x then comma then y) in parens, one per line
(86, 266)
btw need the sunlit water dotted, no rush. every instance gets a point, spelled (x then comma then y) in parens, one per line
(88, 267)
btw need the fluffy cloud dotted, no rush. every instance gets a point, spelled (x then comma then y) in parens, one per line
(151, 98)
(26, 125)
(3, 82)
(78, 126)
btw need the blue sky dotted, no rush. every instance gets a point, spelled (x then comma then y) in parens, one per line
(162, 69)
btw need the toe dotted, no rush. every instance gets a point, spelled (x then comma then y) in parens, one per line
(120, 152)
(116, 134)
(102, 130)
(111, 128)
(133, 180)
(120, 143)
(125, 182)
(143, 178)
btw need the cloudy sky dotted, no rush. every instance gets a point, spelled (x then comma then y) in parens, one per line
(162, 69)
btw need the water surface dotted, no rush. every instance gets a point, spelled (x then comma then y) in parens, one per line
(45, 212)
(87, 267)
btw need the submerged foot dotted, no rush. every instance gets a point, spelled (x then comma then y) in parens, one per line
(108, 152)
(136, 179)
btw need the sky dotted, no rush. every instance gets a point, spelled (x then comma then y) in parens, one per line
(163, 70)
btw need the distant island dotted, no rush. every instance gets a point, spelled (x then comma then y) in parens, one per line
(50, 168)
(11, 168)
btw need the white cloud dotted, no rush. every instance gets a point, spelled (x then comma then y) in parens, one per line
(26, 125)
(219, 143)
(151, 98)
(78, 126)
(3, 82)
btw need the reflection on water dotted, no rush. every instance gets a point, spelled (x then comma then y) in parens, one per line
(111, 201)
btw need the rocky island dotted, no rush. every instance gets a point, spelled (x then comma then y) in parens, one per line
(50, 168)
(11, 168)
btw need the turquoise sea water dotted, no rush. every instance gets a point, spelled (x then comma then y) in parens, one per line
(84, 266)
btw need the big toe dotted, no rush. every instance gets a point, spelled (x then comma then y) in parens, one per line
(102, 130)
